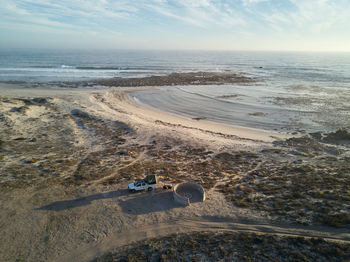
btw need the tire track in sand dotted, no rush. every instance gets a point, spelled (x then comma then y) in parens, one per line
(118, 239)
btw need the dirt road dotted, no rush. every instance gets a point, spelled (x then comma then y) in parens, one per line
(89, 252)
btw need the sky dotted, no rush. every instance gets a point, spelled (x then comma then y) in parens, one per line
(273, 25)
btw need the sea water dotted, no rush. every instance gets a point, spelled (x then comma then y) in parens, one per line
(293, 91)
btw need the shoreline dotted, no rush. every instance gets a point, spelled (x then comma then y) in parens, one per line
(202, 129)
(216, 128)
(139, 113)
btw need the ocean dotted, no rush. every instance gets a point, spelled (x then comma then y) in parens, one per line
(295, 91)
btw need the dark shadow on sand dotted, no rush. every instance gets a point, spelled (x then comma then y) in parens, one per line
(149, 202)
(68, 204)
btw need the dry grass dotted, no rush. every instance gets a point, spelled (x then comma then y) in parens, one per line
(230, 246)
(296, 187)
(49, 149)
(304, 180)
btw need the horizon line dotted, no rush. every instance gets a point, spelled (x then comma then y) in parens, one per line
(171, 50)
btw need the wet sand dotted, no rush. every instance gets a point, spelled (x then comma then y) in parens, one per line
(69, 154)
(204, 130)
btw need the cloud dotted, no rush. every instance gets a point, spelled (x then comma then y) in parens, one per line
(317, 15)
(203, 13)
(169, 13)
(11, 7)
(250, 2)
(227, 18)
(320, 15)
(313, 16)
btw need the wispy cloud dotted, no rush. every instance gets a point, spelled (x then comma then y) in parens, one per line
(318, 14)
(53, 13)
(251, 2)
(164, 11)
(314, 16)
(211, 17)
(203, 13)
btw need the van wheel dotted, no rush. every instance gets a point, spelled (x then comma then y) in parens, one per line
(150, 188)
(133, 190)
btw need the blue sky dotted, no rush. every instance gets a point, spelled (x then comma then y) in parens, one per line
(301, 25)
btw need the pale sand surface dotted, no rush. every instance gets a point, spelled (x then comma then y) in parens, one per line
(50, 220)
(204, 130)
(119, 102)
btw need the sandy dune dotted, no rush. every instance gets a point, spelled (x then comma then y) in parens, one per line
(75, 154)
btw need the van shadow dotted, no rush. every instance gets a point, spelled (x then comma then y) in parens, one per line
(68, 204)
(145, 203)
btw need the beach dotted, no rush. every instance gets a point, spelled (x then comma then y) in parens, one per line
(203, 130)
(68, 155)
